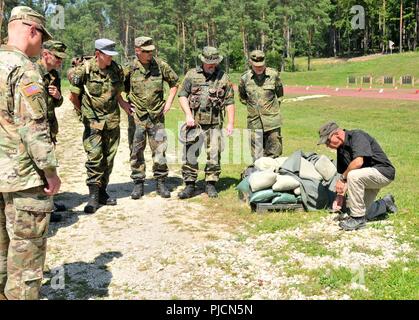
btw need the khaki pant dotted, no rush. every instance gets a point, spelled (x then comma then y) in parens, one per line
(24, 221)
(363, 186)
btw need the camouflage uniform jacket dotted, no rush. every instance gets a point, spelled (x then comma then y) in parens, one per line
(145, 86)
(261, 98)
(51, 78)
(208, 96)
(99, 90)
(26, 148)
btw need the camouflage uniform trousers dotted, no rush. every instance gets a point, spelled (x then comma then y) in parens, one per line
(101, 147)
(137, 139)
(24, 221)
(211, 137)
(265, 144)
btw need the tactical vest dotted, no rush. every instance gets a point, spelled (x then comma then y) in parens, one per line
(207, 97)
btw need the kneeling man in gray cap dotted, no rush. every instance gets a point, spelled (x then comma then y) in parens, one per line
(364, 169)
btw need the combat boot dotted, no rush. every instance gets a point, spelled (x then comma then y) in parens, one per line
(93, 203)
(105, 199)
(162, 189)
(188, 192)
(138, 190)
(352, 223)
(390, 203)
(210, 189)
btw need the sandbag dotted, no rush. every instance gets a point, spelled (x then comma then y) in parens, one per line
(244, 186)
(284, 198)
(262, 180)
(297, 191)
(266, 163)
(280, 161)
(285, 183)
(263, 196)
(308, 171)
(325, 167)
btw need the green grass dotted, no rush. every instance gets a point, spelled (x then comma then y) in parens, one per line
(328, 72)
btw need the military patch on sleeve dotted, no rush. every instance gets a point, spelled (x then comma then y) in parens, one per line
(31, 89)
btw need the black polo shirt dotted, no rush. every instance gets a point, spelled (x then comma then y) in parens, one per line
(360, 144)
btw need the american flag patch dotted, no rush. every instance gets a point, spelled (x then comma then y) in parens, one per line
(32, 89)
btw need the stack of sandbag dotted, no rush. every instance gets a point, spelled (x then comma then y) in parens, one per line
(264, 184)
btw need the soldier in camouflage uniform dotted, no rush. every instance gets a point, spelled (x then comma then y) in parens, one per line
(144, 84)
(96, 87)
(260, 89)
(51, 60)
(28, 177)
(205, 94)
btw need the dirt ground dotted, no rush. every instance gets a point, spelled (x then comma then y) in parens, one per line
(157, 248)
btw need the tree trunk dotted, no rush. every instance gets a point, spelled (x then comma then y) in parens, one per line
(385, 40)
(287, 36)
(334, 41)
(310, 41)
(126, 39)
(184, 46)
(214, 33)
(366, 38)
(415, 42)
(262, 36)
(208, 35)
(244, 41)
(401, 27)
(195, 47)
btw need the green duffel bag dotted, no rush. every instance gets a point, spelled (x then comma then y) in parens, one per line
(285, 198)
(263, 196)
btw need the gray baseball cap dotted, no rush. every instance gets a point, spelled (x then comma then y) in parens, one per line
(326, 130)
(106, 46)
